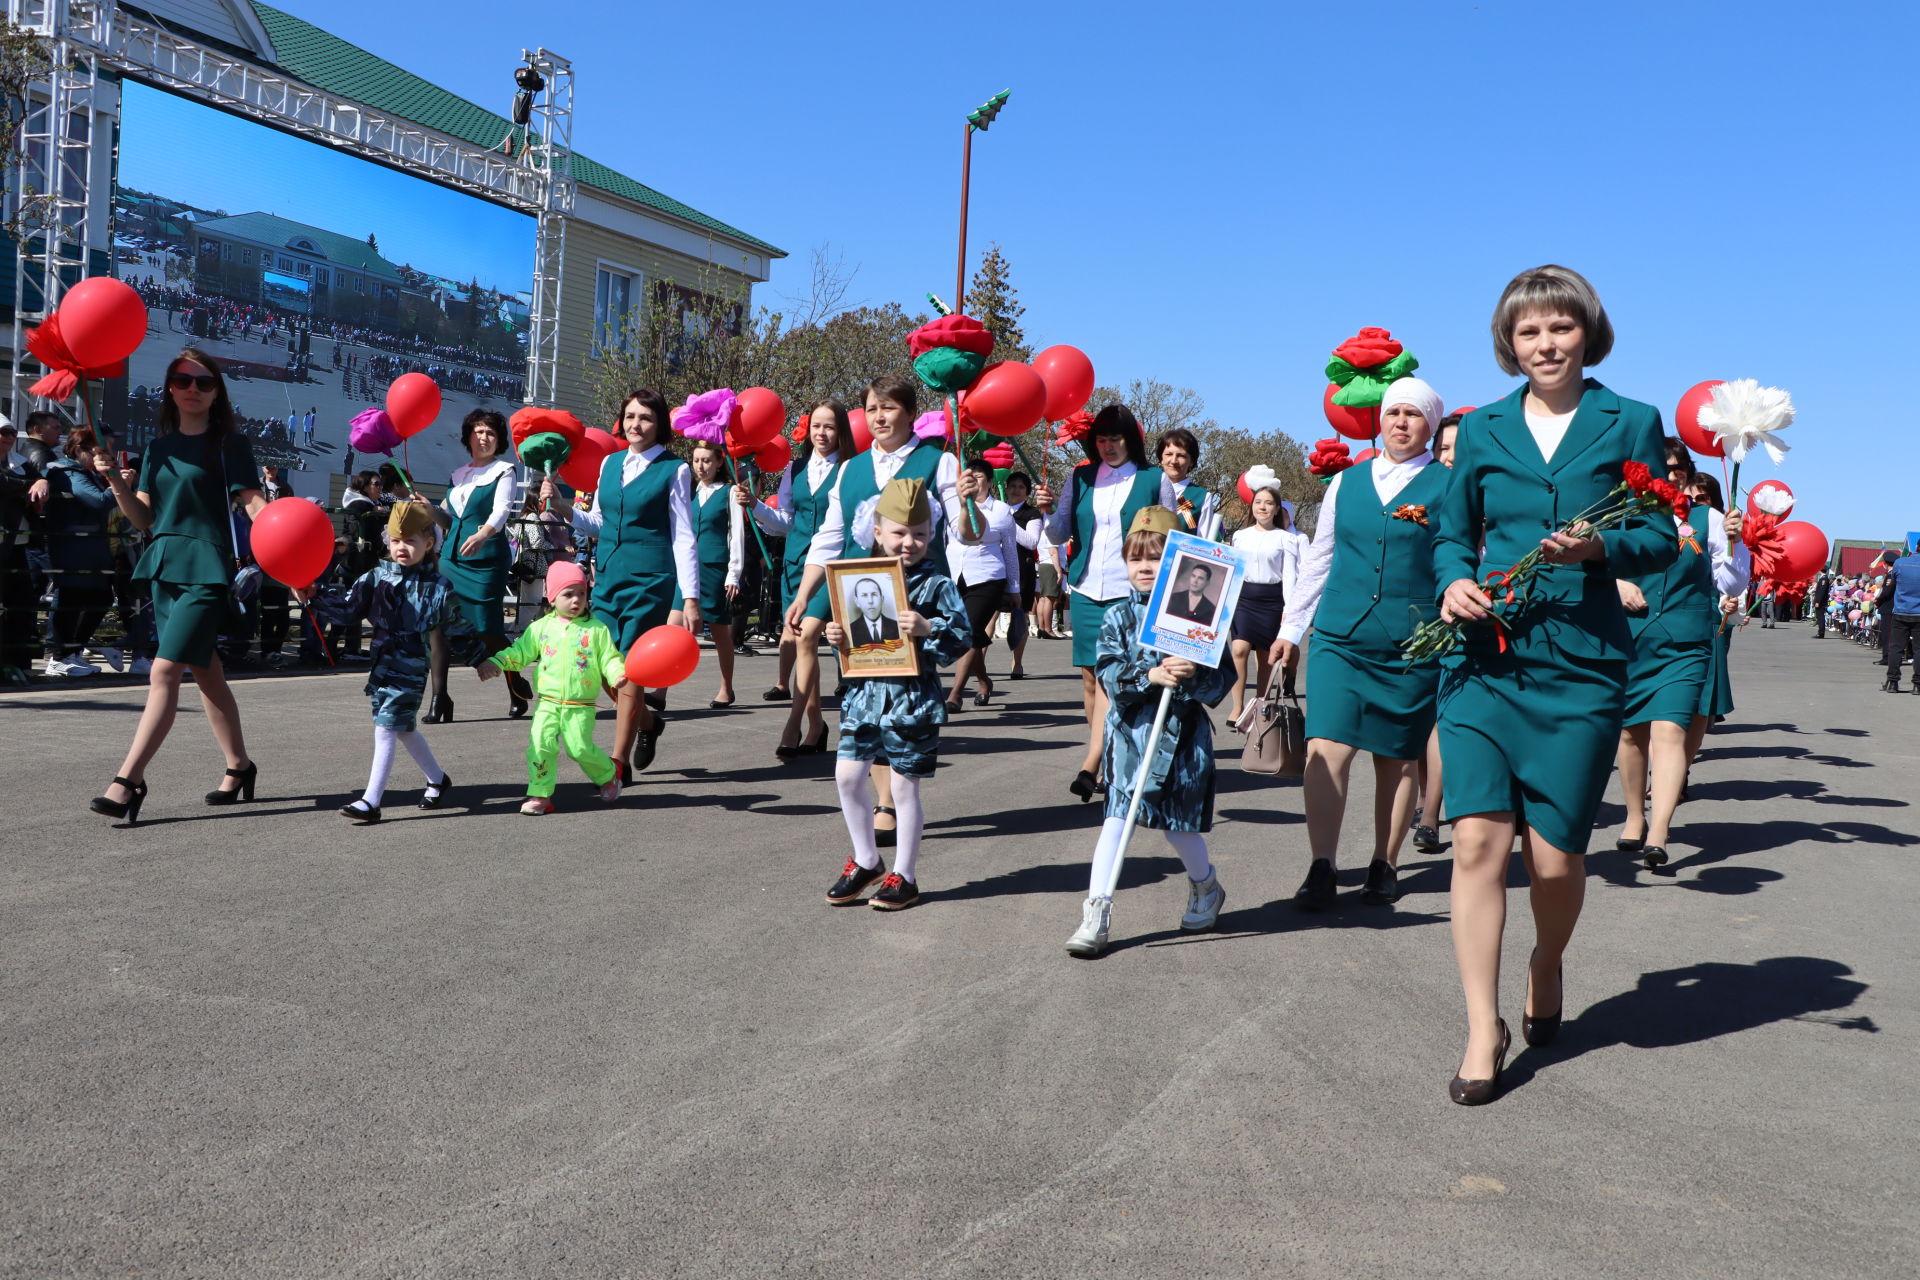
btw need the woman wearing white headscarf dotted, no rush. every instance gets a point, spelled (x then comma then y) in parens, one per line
(1366, 583)
(1271, 551)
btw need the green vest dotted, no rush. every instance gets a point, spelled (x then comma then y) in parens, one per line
(497, 554)
(1681, 601)
(809, 508)
(1145, 493)
(857, 485)
(636, 531)
(1382, 570)
(712, 522)
(1198, 497)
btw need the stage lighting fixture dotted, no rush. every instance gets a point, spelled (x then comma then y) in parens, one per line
(530, 82)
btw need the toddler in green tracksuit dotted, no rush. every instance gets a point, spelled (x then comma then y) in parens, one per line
(576, 655)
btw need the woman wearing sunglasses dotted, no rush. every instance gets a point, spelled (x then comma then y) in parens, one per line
(196, 468)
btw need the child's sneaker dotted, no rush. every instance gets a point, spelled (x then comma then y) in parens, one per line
(1090, 939)
(853, 881)
(895, 894)
(611, 791)
(537, 806)
(1204, 900)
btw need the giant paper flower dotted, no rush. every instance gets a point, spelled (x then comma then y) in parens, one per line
(934, 424)
(372, 431)
(949, 352)
(545, 437)
(708, 415)
(1329, 458)
(64, 371)
(1743, 414)
(1073, 428)
(1365, 365)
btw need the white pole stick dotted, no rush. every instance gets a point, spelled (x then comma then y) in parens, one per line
(1140, 787)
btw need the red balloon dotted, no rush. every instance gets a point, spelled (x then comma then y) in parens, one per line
(581, 470)
(1069, 378)
(102, 320)
(663, 656)
(1365, 455)
(1240, 487)
(605, 441)
(1803, 551)
(413, 402)
(1008, 398)
(862, 434)
(1686, 420)
(1355, 424)
(292, 540)
(775, 455)
(761, 414)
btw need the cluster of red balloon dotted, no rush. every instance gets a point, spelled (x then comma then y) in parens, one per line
(1783, 550)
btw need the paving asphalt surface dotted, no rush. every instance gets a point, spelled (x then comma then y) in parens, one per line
(260, 1042)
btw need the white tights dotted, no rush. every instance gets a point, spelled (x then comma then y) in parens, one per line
(383, 740)
(1190, 845)
(851, 776)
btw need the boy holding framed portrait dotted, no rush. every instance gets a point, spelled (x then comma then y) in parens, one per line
(896, 621)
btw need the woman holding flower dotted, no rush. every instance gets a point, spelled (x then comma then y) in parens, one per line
(1364, 584)
(1531, 704)
(1674, 616)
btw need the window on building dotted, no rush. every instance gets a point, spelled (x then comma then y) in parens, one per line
(615, 292)
(304, 268)
(286, 263)
(359, 284)
(320, 276)
(246, 257)
(226, 252)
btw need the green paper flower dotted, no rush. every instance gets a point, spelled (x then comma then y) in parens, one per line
(1365, 388)
(948, 369)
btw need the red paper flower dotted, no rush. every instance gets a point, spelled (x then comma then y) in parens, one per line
(1073, 428)
(64, 372)
(1329, 458)
(963, 333)
(1368, 348)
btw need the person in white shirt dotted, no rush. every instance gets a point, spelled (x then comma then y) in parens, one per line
(1271, 551)
(1049, 566)
(720, 534)
(642, 521)
(1028, 531)
(795, 514)
(480, 502)
(1095, 510)
(988, 575)
(1178, 452)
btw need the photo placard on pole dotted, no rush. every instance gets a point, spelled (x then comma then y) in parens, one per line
(1190, 613)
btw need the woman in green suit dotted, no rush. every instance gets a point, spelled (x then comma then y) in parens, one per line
(720, 533)
(1365, 584)
(197, 467)
(642, 521)
(1531, 706)
(795, 514)
(482, 498)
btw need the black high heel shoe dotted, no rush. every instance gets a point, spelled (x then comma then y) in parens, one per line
(1539, 1032)
(128, 808)
(519, 694)
(1084, 785)
(1625, 845)
(247, 777)
(439, 710)
(984, 699)
(1477, 1093)
(438, 791)
(818, 747)
(1655, 857)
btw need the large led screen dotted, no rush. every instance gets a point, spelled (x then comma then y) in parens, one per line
(316, 278)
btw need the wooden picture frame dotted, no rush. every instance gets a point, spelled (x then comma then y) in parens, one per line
(867, 596)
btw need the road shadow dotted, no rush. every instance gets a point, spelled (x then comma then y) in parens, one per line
(1780, 753)
(1281, 917)
(1782, 789)
(1060, 878)
(1674, 1007)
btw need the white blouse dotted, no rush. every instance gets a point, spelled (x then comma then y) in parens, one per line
(1105, 577)
(1548, 429)
(470, 479)
(1271, 555)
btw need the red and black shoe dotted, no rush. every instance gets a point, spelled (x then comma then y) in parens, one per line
(896, 894)
(853, 881)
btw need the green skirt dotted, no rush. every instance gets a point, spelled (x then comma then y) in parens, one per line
(1367, 697)
(1087, 616)
(715, 609)
(187, 620)
(478, 587)
(1665, 679)
(1531, 734)
(1716, 692)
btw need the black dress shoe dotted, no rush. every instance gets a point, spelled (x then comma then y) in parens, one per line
(128, 808)
(644, 744)
(818, 747)
(1083, 785)
(1426, 839)
(1317, 891)
(1654, 857)
(437, 792)
(886, 838)
(1540, 1031)
(361, 812)
(953, 708)
(1477, 1093)
(439, 710)
(248, 776)
(519, 694)
(776, 694)
(1625, 845)
(1383, 883)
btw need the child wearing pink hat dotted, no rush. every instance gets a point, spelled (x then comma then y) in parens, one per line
(577, 655)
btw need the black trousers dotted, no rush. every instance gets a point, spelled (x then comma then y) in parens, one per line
(1898, 632)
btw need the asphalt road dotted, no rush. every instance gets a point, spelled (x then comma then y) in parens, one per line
(260, 1042)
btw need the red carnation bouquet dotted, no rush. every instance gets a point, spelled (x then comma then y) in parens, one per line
(1639, 493)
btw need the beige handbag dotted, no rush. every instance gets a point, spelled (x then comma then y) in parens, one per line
(1276, 730)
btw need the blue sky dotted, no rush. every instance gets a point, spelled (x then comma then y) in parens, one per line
(416, 222)
(1216, 194)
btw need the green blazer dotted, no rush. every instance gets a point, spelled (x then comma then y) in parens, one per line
(1505, 496)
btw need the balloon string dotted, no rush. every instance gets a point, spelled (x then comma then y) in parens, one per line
(320, 636)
